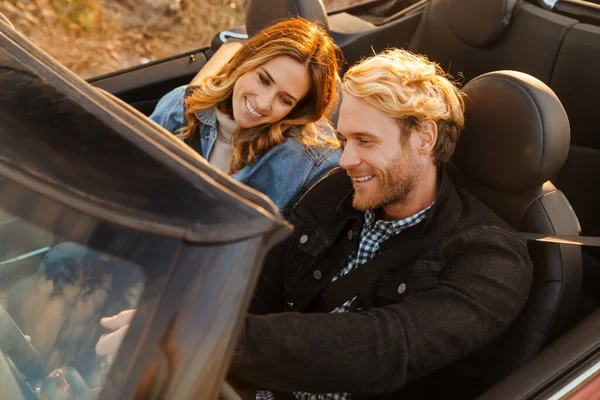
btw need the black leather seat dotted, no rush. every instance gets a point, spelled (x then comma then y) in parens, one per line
(517, 137)
(472, 37)
(262, 13)
(574, 81)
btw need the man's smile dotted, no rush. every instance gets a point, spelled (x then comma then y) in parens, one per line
(361, 179)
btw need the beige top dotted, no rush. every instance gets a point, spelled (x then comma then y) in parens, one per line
(222, 149)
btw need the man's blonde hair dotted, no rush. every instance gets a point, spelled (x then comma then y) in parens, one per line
(411, 89)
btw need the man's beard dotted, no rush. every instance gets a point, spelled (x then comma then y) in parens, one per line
(394, 184)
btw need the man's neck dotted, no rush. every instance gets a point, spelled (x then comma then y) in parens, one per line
(421, 197)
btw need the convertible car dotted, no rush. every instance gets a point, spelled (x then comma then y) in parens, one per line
(81, 165)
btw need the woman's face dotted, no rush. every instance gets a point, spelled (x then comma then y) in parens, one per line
(268, 93)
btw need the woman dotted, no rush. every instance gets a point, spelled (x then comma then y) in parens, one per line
(262, 118)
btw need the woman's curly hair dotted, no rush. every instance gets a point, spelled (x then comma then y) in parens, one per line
(301, 40)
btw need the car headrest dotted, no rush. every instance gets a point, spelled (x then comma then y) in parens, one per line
(516, 133)
(262, 13)
(478, 23)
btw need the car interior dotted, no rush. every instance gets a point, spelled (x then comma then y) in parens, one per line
(528, 151)
(543, 191)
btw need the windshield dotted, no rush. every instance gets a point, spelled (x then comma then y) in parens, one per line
(98, 206)
(53, 293)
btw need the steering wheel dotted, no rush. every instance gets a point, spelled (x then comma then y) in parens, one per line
(26, 365)
(24, 360)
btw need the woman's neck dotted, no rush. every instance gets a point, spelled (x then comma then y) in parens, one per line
(226, 125)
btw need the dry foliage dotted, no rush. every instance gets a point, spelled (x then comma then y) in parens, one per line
(96, 37)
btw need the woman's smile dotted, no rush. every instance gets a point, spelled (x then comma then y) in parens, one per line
(251, 109)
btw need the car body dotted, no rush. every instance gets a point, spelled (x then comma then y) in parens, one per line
(115, 182)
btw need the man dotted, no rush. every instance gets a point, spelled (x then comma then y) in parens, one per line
(450, 275)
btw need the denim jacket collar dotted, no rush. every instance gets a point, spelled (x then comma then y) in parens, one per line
(208, 117)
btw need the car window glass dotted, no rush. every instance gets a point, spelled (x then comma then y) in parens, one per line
(53, 293)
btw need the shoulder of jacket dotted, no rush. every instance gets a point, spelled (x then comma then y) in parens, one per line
(326, 194)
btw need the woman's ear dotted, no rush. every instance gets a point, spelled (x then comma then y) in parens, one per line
(427, 134)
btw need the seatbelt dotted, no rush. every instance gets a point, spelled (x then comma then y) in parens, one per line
(592, 241)
(349, 285)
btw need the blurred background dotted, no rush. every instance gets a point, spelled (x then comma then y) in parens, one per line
(97, 37)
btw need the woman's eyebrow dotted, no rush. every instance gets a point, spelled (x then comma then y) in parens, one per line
(273, 80)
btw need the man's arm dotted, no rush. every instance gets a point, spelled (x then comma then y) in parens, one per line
(481, 290)
(268, 294)
(213, 66)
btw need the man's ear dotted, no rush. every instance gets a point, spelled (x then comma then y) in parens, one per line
(427, 135)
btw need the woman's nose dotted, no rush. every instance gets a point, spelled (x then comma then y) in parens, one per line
(264, 102)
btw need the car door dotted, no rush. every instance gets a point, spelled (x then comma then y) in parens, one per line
(142, 86)
(567, 369)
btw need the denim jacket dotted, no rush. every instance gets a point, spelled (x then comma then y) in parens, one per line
(423, 328)
(284, 173)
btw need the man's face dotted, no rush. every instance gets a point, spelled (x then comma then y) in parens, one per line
(383, 167)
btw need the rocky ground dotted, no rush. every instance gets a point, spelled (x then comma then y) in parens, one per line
(96, 37)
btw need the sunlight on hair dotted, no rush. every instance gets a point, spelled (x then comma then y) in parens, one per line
(402, 84)
(301, 40)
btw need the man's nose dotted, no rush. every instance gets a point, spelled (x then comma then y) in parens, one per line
(350, 158)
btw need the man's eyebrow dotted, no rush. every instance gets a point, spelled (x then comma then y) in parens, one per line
(365, 133)
(356, 133)
(263, 69)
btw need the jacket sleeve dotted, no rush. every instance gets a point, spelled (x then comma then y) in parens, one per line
(268, 294)
(287, 171)
(169, 110)
(482, 288)
(325, 159)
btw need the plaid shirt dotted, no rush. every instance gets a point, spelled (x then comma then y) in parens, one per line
(374, 233)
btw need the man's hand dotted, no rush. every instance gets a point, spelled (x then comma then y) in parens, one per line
(108, 345)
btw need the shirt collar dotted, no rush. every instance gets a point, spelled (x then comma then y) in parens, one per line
(396, 226)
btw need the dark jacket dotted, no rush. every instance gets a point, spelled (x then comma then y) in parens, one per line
(432, 335)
